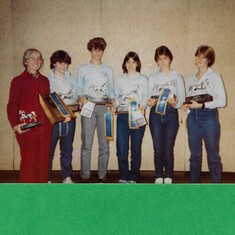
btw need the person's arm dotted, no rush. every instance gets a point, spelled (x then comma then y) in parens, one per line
(145, 93)
(117, 92)
(13, 105)
(151, 101)
(13, 102)
(80, 87)
(180, 93)
(111, 84)
(219, 95)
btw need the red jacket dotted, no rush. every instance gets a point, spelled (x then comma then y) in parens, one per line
(24, 96)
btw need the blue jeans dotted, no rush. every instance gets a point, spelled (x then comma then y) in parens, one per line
(124, 133)
(164, 129)
(203, 124)
(66, 149)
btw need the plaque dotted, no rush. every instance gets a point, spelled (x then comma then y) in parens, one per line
(198, 98)
(87, 109)
(99, 100)
(139, 119)
(54, 107)
(32, 120)
(122, 109)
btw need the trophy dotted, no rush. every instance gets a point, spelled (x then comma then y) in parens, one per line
(73, 104)
(75, 107)
(32, 120)
(99, 100)
(198, 98)
(54, 107)
(98, 94)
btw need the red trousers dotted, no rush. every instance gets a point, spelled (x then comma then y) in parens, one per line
(34, 163)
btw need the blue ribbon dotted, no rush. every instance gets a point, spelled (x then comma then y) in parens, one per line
(162, 102)
(63, 128)
(133, 107)
(108, 130)
(61, 108)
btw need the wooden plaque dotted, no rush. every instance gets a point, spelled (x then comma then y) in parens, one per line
(198, 98)
(54, 107)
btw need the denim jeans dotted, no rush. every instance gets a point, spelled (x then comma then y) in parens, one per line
(124, 134)
(164, 129)
(203, 124)
(66, 149)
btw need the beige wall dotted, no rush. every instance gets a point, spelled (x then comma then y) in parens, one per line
(136, 25)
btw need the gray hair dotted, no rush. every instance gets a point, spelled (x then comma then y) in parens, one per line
(28, 53)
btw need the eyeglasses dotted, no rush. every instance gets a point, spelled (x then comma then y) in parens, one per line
(35, 59)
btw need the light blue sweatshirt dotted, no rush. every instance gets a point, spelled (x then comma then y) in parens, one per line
(66, 89)
(131, 87)
(95, 81)
(210, 83)
(173, 81)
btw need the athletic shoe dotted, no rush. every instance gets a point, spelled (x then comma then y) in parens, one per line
(168, 180)
(159, 181)
(67, 180)
(122, 181)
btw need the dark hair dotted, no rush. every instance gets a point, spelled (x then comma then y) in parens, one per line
(59, 56)
(208, 52)
(28, 53)
(135, 57)
(96, 43)
(163, 50)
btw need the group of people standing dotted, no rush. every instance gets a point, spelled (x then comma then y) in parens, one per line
(163, 92)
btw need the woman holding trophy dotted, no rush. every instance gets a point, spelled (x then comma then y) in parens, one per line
(62, 82)
(28, 120)
(206, 94)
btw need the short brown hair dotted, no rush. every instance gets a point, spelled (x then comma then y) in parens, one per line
(96, 43)
(59, 56)
(163, 50)
(208, 52)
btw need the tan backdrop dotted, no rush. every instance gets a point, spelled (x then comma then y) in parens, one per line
(137, 25)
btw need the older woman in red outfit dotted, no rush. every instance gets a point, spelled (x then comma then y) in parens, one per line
(24, 108)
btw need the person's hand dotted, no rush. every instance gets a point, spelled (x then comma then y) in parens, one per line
(110, 104)
(82, 99)
(195, 105)
(67, 119)
(172, 100)
(17, 129)
(141, 109)
(151, 102)
(185, 107)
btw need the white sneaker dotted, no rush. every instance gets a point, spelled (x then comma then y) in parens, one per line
(49, 182)
(67, 180)
(122, 181)
(159, 181)
(131, 182)
(168, 181)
